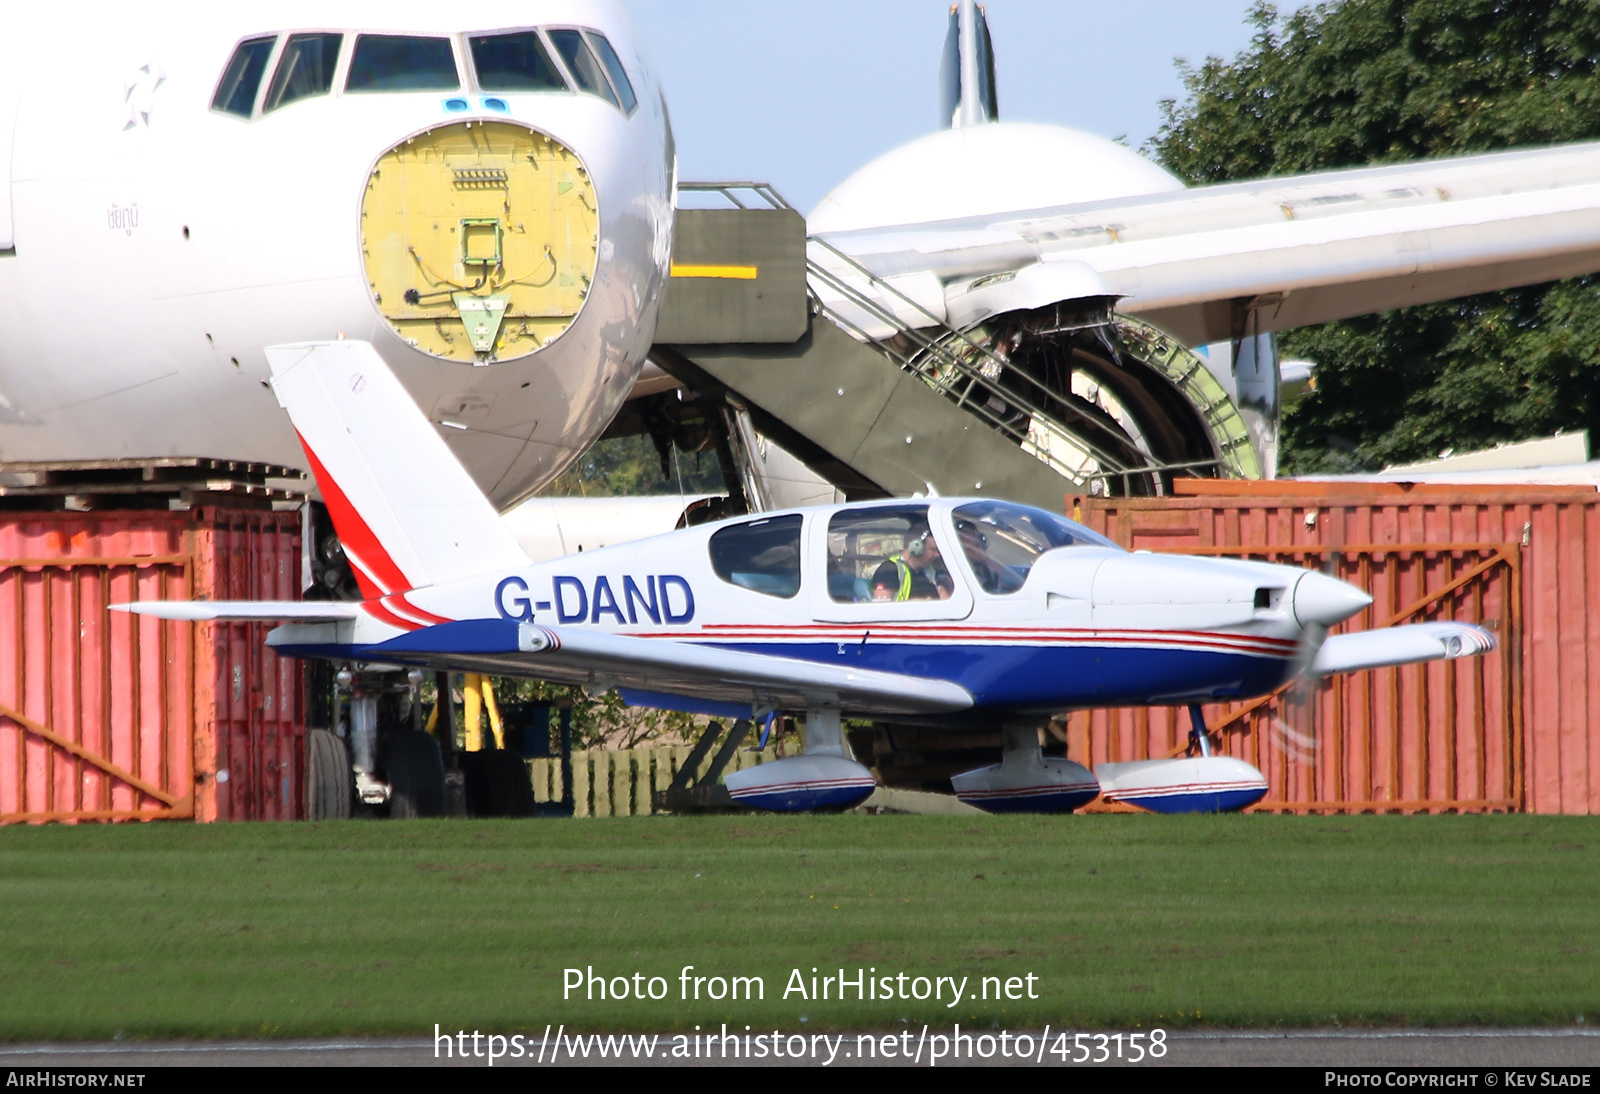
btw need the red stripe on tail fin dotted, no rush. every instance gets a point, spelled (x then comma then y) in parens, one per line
(357, 536)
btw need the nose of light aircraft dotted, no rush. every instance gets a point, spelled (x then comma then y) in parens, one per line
(1326, 600)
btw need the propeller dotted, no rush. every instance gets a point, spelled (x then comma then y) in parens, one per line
(1321, 601)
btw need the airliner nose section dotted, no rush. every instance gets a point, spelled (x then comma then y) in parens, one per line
(1326, 600)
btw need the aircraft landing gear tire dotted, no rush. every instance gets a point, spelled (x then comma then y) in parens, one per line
(415, 774)
(327, 777)
(497, 784)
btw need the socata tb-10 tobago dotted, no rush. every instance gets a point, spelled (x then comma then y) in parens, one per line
(959, 612)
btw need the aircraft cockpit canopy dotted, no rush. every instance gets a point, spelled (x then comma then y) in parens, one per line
(1002, 540)
(571, 60)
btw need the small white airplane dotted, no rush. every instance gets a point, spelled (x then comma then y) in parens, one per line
(489, 204)
(962, 612)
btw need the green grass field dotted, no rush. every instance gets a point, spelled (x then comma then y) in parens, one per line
(294, 930)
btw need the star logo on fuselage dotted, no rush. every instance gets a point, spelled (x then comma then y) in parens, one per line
(140, 93)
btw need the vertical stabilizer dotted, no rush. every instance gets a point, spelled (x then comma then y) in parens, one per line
(407, 512)
(966, 72)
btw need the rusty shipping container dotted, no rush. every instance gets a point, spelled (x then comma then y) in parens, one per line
(1518, 729)
(110, 716)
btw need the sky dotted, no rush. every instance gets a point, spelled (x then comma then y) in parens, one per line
(802, 94)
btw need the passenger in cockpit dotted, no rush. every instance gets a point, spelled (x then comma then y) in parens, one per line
(975, 545)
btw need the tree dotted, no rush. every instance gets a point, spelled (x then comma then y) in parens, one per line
(1372, 81)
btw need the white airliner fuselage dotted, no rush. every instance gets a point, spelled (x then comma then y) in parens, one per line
(490, 208)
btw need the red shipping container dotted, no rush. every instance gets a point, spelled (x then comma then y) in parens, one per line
(1517, 729)
(111, 716)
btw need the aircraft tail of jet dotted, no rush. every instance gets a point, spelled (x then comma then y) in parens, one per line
(407, 513)
(966, 70)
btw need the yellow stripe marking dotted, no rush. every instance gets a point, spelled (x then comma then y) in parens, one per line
(738, 273)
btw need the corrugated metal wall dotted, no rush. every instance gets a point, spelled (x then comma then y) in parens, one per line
(107, 715)
(1518, 729)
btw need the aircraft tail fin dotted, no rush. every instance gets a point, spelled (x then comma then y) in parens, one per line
(966, 70)
(406, 511)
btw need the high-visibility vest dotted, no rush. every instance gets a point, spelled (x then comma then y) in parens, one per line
(905, 579)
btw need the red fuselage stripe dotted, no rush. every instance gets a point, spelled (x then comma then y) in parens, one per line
(377, 610)
(400, 601)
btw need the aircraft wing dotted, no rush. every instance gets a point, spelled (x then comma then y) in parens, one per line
(568, 655)
(254, 611)
(1277, 253)
(1401, 646)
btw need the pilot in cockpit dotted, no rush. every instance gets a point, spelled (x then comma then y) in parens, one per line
(917, 573)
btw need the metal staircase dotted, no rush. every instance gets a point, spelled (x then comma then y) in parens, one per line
(925, 406)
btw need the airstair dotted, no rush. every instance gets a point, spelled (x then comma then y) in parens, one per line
(880, 396)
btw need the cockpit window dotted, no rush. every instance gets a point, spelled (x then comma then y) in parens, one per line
(613, 65)
(304, 70)
(1001, 541)
(582, 64)
(514, 62)
(762, 555)
(236, 94)
(392, 62)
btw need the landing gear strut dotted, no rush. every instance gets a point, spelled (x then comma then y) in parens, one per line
(394, 762)
(1199, 736)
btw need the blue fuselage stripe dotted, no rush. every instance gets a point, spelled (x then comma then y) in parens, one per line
(1015, 677)
(1039, 677)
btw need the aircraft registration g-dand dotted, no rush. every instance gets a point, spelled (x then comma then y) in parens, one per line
(958, 612)
(484, 197)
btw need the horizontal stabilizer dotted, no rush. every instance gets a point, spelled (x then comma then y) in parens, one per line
(1402, 646)
(569, 655)
(261, 611)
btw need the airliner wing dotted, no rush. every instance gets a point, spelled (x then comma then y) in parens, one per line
(568, 655)
(1285, 252)
(1401, 646)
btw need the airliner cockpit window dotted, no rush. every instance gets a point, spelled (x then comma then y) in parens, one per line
(583, 65)
(236, 94)
(761, 555)
(305, 69)
(393, 62)
(514, 62)
(619, 78)
(1001, 540)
